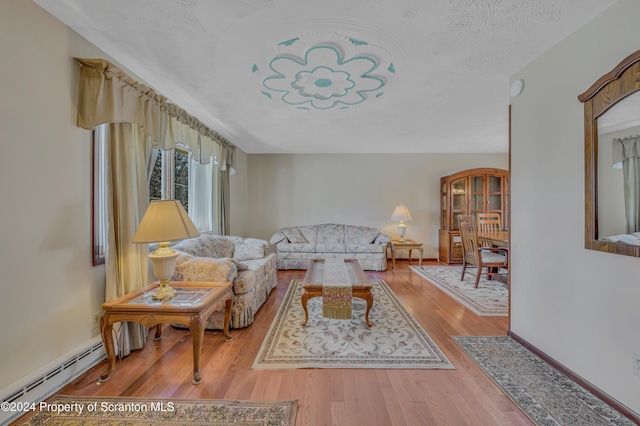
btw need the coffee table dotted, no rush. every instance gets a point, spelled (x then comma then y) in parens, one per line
(191, 306)
(312, 285)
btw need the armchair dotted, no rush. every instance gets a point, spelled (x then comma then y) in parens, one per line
(481, 257)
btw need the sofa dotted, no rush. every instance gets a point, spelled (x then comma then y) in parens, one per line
(245, 262)
(298, 244)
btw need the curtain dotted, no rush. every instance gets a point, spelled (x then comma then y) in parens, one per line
(108, 95)
(224, 201)
(209, 198)
(128, 154)
(627, 152)
(201, 190)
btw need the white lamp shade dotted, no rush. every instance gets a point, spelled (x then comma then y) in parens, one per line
(401, 214)
(164, 221)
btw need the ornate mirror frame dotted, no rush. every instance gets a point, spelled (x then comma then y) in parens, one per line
(611, 88)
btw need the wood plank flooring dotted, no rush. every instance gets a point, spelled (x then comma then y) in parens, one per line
(464, 396)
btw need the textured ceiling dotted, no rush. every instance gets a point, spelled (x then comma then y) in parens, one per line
(324, 76)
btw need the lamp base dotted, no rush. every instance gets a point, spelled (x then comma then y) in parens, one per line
(402, 228)
(164, 292)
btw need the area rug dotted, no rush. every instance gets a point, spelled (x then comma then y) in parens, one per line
(491, 298)
(78, 410)
(544, 394)
(395, 340)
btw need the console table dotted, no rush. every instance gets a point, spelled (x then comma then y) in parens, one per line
(191, 306)
(409, 245)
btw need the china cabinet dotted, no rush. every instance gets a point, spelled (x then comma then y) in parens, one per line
(469, 192)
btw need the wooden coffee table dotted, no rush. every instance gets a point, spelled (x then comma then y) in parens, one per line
(312, 286)
(191, 306)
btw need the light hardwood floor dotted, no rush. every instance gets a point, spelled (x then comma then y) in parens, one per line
(464, 396)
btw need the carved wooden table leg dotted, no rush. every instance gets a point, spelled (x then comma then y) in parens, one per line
(158, 332)
(106, 330)
(369, 298)
(196, 326)
(304, 299)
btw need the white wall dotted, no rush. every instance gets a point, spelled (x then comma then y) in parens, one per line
(49, 287)
(354, 189)
(579, 306)
(238, 188)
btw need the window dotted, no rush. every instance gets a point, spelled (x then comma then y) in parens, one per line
(171, 176)
(170, 179)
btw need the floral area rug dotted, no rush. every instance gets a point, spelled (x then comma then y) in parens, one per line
(78, 410)
(491, 298)
(544, 394)
(395, 340)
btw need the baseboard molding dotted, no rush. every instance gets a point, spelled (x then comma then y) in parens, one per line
(43, 383)
(632, 415)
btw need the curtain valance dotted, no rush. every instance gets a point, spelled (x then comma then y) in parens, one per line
(109, 95)
(624, 148)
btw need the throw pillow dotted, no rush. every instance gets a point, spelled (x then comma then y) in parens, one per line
(246, 251)
(294, 236)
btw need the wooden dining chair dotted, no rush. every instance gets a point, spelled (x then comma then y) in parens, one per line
(489, 222)
(492, 258)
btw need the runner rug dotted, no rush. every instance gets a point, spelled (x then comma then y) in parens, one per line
(491, 298)
(544, 394)
(395, 340)
(79, 410)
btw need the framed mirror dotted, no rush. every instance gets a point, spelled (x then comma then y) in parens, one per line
(612, 160)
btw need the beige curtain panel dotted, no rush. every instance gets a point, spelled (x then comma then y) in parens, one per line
(109, 95)
(624, 148)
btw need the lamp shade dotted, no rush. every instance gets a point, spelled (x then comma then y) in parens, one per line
(401, 214)
(164, 221)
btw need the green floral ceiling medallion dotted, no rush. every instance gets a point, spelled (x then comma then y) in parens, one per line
(324, 71)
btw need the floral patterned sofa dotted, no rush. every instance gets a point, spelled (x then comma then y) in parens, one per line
(246, 262)
(299, 244)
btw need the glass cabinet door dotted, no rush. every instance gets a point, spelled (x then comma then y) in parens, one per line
(476, 195)
(458, 201)
(495, 194)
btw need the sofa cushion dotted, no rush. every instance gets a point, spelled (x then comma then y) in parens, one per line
(331, 248)
(303, 248)
(366, 248)
(251, 248)
(215, 246)
(360, 235)
(205, 269)
(330, 233)
(294, 235)
(310, 233)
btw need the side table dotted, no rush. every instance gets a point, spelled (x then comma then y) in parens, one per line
(191, 306)
(409, 245)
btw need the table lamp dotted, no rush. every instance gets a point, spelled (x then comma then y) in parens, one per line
(163, 222)
(401, 213)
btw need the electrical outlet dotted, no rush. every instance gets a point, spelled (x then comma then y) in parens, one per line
(636, 364)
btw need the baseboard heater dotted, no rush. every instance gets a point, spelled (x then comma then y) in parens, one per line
(43, 384)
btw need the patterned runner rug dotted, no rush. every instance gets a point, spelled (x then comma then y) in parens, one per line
(395, 340)
(543, 393)
(86, 411)
(491, 298)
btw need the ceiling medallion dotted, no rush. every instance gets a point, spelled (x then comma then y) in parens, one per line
(324, 71)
